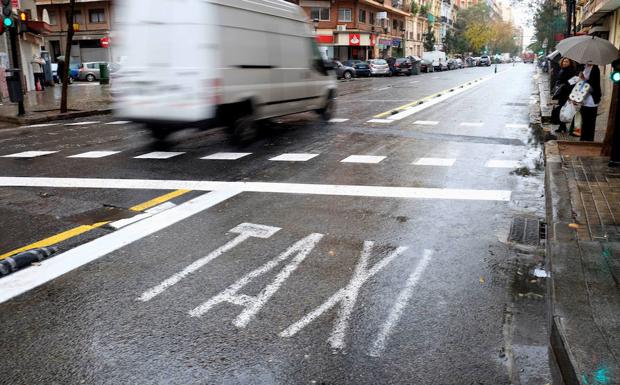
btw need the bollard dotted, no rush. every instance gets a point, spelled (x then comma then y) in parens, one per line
(25, 259)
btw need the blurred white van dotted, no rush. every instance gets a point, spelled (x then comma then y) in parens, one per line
(205, 63)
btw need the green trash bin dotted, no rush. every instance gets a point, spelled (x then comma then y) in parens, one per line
(104, 74)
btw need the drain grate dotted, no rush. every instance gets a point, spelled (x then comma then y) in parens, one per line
(526, 231)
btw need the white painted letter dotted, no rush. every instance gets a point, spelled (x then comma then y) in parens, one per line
(346, 297)
(254, 304)
(245, 231)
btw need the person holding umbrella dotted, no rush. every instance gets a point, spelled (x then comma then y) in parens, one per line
(589, 108)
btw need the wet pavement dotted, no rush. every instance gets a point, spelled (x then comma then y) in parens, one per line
(354, 252)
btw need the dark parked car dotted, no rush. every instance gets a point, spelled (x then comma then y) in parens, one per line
(402, 66)
(343, 71)
(485, 60)
(426, 66)
(362, 69)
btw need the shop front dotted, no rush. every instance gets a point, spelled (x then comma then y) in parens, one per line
(351, 45)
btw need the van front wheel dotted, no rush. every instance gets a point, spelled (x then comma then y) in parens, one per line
(327, 112)
(242, 128)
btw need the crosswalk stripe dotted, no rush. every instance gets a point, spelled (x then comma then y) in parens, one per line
(386, 121)
(338, 120)
(118, 122)
(29, 154)
(426, 122)
(159, 155)
(227, 155)
(81, 123)
(41, 125)
(294, 157)
(363, 159)
(467, 124)
(445, 162)
(94, 154)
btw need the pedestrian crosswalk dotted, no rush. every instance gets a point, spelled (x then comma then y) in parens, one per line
(367, 159)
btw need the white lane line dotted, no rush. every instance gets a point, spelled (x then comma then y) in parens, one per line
(382, 88)
(426, 122)
(435, 77)
(41, 125)
(445, 162)
(245, 231)
(118, 122)
(82, 123)
(415, 81)
(294, 157)
(94, 154)
(227, 155)
(27, 279)
(29, 154)
(467, 124)
(363, 159)
(495, 163)
(380, 121)
(262, 187)
(399, 306)
(148, 213)
(338, 120)
(516, 125)
(159, 155)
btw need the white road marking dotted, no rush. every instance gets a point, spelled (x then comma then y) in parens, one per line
(397, 309)
(294, 157)
(146, 214)
(94, 154)
(41, 125)
(253, 305)
(363, 159)
(262, 187)
(82, 123)
(346, 297)
(446, 162)
(495, 163)
(435, 77)
(27, 279)
(29, 154)
(227, 155)
(245, 231)
(426, 122)
(338, 120)
(516, 125)
(159, 155)
(380, 121)
(382, 88)
(466, 124)
(415, 81)
(118, 122)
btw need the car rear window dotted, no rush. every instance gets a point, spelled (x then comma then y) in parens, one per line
(379, 61)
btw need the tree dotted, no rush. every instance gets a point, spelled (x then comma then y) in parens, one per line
(548, 21)
(65, 75)
(429, 39)
(477, 35)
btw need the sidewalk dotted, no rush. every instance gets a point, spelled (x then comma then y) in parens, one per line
(84, 99)
(583, 254)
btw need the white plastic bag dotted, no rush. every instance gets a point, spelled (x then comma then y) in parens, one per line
(568, 111)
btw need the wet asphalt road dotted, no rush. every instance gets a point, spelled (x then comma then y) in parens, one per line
(297, 281)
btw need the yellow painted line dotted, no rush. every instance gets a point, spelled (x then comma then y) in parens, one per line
(424, 99)
(74, 232)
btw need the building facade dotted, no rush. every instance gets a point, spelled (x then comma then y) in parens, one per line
(92, 20)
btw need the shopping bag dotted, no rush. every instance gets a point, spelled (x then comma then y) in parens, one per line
(568, 111)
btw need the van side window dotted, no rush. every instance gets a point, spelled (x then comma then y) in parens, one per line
(317, 60)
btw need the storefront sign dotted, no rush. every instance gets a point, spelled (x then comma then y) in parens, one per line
(387, 42)
(324, 39)
(354, 39)
(395, 42)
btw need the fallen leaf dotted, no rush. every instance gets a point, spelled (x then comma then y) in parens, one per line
(481, 279)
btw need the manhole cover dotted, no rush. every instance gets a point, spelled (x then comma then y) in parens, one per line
(526, 231)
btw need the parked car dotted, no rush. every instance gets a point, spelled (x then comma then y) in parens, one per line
(451, 64)
(459, 63)
(440, 65)
(361, 67)
(402, 66)
(485, 60)
(89, 71)
(379, 67)
(343, 71)
(426, 66)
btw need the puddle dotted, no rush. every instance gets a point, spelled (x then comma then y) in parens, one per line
(103, 214)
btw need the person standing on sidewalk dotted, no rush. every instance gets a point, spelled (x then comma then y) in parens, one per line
(591, 75)
(37, 68)
(567, 71)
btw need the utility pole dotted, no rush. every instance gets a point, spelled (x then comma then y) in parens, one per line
(611, 143)
(15, 82)
(65, 75)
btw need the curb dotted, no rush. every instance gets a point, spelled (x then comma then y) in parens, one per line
(21, 121)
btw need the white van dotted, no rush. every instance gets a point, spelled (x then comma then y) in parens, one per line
(438, 58)
(205, 63)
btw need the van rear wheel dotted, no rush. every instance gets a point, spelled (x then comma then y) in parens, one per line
(243, 128)
(327, 112)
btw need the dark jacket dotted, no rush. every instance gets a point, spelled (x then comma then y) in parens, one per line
(595, 83)
(564, 76)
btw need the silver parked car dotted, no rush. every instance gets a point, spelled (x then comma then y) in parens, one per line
(90, 71)
(379, 67)
(343, 71)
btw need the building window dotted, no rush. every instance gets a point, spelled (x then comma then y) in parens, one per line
(345, 15)
(77, 17)
(52, 17)
(372, 19)
(395, 25)
(96, 16)
(319, 13)
(362, 16)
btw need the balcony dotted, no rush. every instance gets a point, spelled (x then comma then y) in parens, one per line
(594, 10)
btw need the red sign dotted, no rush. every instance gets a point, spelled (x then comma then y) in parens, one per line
(354, 39)
(15, 4)
(325, 39)
(372, 40)
(105, 42)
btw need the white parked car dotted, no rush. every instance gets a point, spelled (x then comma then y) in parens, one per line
(379, 67)
(243, 63)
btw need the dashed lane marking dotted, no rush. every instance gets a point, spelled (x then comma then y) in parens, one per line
(495, 163)
(159, 155)
(41, 125)
(118, 122)
(338, 120)
(94, 154)
(426, 122)
(363, 159)
(82, 123)
(262, 187)
(468, 124)
(29, 154)
(294, 157)
(227, 155)
(445, 162)
(383, 121)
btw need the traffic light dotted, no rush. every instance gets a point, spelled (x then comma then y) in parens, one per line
(7, 14)
(615, 71)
